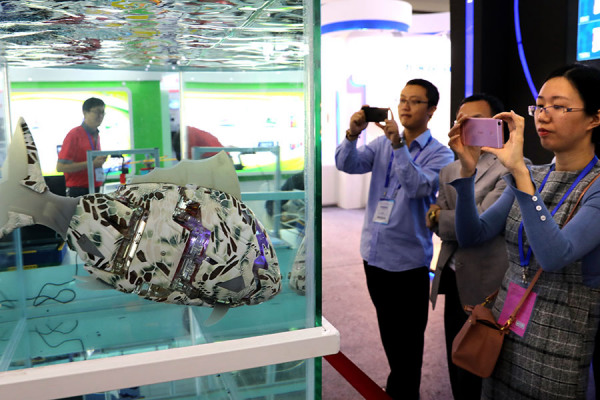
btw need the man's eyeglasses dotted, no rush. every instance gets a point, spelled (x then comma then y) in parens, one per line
(553, 109)
(412, 102)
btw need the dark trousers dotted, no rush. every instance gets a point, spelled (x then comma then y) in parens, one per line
(75, 191)
(465, 385)
(401, 300)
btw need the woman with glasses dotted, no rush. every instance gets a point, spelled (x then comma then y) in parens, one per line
(547, 353)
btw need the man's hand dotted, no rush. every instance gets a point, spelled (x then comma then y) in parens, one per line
(358, 123)
(391, 130)
(98, 161)
(431, 218)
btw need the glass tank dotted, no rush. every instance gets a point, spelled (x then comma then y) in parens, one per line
(245, 73)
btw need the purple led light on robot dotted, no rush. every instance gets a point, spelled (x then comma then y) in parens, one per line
(261, 261)
(195, 248)
(198, 240)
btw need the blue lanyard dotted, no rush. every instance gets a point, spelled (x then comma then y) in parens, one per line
(389, 168)
(92, 143)
(525, 258)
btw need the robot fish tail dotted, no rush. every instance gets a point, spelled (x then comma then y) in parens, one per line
(21, 174)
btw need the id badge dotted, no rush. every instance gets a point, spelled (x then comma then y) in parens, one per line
(383, 211)
(513, 296)
(99, 172)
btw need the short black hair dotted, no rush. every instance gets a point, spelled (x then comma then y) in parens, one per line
(495, 104)
(433, 96)
(91, 103)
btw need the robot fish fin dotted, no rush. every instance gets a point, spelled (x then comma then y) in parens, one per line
(217, 314)
(216, 172)
(25, 198)
(21, 170)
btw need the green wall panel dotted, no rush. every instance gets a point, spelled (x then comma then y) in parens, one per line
(146, 109)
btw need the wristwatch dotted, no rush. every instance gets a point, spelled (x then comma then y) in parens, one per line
(399, 145)
(350, 136)
(432, 215)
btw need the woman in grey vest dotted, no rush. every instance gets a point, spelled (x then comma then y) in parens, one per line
(547, 354)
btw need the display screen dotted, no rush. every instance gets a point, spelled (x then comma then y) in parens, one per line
(588, 30)
(50, 115)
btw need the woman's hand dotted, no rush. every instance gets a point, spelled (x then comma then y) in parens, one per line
(511, 154)
(468, 155)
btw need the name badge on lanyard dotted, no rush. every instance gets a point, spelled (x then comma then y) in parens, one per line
(385, 205)
(513, 297)
(383, 211)
(99, 173)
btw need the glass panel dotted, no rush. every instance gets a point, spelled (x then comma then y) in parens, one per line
(11, 293)
(262, 127)
(239, 70)
(278, 382)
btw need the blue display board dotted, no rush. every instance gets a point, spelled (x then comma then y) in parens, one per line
(588, 30)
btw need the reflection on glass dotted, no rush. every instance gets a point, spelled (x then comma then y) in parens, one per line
(244, 81)
(39, 107)
(3, 121)
(151, 35)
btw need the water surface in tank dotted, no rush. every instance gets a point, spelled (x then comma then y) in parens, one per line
(153, 34)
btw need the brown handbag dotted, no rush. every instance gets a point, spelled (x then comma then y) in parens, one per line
(477, 345)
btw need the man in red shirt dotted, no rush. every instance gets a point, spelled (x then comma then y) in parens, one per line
(200, 138)
(72, 158)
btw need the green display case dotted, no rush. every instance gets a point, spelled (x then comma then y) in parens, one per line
(248, 72)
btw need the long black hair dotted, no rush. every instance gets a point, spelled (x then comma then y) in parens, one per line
(586, 80)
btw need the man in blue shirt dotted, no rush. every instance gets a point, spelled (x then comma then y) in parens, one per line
(396, 244)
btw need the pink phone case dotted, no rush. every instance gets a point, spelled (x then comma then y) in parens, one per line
(483, 132)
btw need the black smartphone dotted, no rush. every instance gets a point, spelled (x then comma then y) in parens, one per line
(374, 114)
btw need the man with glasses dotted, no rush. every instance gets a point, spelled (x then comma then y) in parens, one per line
(461, 274)
(72, 158)
(396, 245)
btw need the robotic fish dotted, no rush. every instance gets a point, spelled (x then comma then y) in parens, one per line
(177, 235)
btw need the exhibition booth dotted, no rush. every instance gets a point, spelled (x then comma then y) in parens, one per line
(367, 57)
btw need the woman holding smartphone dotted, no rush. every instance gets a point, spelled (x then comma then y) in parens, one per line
(547, 354)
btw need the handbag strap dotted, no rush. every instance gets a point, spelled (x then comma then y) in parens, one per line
(513, 315)
(579, 199)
